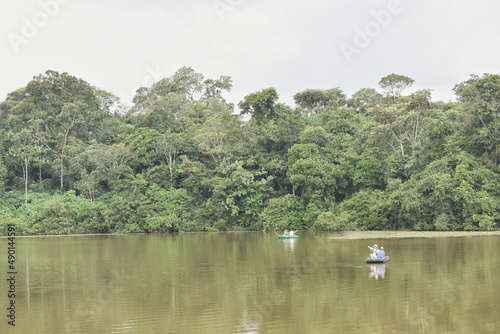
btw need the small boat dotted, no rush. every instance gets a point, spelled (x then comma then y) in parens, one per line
(282, 236)
(382, 260)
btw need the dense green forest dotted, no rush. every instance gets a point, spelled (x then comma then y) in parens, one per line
(73, 160)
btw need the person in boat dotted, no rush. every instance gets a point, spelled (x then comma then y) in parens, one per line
(286, 232)
(374, 251)
(292, 233)
(381, 253)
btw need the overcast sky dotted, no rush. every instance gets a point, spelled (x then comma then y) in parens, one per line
(293, 45)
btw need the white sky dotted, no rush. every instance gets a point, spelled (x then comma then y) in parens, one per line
(293, 45)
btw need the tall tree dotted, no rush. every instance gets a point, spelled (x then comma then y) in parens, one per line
(55, 133)
(364, 99)
(404, 122)
(165, 103)
(417, 116)
(261, 105)
(391, 125)
(481, 98)
(169, 145)
(314, 100)
(394, 84)
(111, 163)
(217, 136)
(56, 105)
(23, 148)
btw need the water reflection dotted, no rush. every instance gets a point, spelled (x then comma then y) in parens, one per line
(292, 245)
(253, 283)
(289, 244)
(377, 270)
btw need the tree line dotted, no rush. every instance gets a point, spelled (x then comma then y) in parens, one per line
(181, 158)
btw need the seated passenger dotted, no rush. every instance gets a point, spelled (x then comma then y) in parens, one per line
(286, 232)
(381, 253)
(292, 233)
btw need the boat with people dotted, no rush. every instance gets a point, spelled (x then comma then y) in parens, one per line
(288, 235)
(377, 255)
(375, 260)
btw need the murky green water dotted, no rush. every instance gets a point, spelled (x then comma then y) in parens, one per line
(252, 283)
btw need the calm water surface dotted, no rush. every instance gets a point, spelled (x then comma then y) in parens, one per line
(252, 283)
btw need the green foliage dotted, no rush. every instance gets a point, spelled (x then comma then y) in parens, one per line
(167, 210)
(315, 100)
(58, 215)
(368, 172)
(364, 99)
(367, 210)
(449, 194)
(481, 98)
(143, 142)
(283, 213)
(3, 175)
(394, 84)
(260, 106)
(246, 194)
(181, 159)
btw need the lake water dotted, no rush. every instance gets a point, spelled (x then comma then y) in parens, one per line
(251, 282)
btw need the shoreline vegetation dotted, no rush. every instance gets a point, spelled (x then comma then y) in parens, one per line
(339, 234)
(74, 160)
